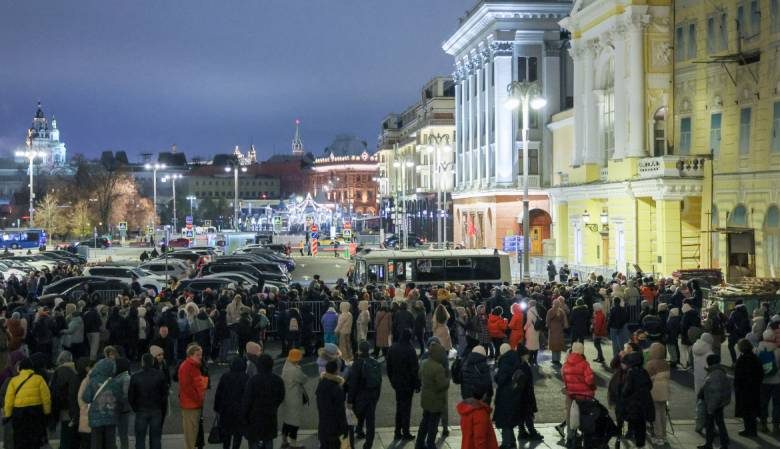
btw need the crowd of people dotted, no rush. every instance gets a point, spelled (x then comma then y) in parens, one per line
(88, 367)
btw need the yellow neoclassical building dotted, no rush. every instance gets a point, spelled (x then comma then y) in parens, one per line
(669, 158)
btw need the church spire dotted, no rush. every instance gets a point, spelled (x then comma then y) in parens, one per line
(297, 143)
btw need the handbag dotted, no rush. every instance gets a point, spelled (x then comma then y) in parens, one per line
(215, 434)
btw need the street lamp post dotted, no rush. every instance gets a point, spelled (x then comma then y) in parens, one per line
(154, 167)
(30, 155)
(525, 94)
(173, 177)
(235, 168)
(438, 143)
(403, 165)
(192, 199)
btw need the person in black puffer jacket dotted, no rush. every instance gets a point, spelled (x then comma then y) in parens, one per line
(637, 400)
(475, 374)
(737, 326)
(403, 373)
(227, 401)
(64, 386)
(580, 321)
(616, 324)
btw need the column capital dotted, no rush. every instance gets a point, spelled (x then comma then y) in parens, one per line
(636, 22)
(552, 48)
(502, 48)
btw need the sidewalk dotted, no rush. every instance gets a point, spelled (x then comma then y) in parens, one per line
(684, 438)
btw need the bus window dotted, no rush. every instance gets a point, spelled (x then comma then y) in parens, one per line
(429, 270)
(460, 269)
(403, 270)
(376, 273)
(487, 268)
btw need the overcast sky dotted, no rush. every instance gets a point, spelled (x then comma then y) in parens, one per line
(209, 74)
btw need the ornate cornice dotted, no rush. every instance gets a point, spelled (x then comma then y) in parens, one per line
(502, 48)
(552, 48)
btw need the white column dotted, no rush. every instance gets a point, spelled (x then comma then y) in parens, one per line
(551, 89)
(621, 94)
(502, 57)
(590, 155)
(636, 63)
(464, 129)
(457, 145)
(472, 173)
(488, 104)
(478, 116)
(577, 54)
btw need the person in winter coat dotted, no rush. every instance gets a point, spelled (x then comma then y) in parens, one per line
(690, 319)
(230, 393)
(748, 376)
(658, 370)
(363, 321)
(701, 349)
(344, 331)
(737, 328)
(263, 395)
(433, 395)
(483, 334)
(476, 430)
(599, 326)
(439, 326)
(295, 398)
(531, 333)
(122, 376)
(578, 380)
(556, 322)
(64, 385)
(509, 404)
(383, 326)
(673, 336)
(716, 395)
(770, 387)
(637, 397)
(617, 323)
(331, 401)
(402, 319)
(496, 326)
(516, 326)
(476, 375)
(192, 393)
(756, 334)
(27, 403)
(403, 373)
(148, 397)
(104, 394)
(580, 321)
(363, 389)
(73, 335)
(715, 325)
(551, 271)
(329, 320)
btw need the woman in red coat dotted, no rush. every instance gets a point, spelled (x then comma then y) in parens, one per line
(496, 327)
(516, 326)
(476, 428)
(578, 379)
(599, 329)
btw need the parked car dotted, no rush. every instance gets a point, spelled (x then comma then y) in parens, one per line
(412, 241)
(180, 242)
(160, 267)
(124, 274)
(100, 243)
(105, 289)
(216, 267)
(199, 284)
(239, 278)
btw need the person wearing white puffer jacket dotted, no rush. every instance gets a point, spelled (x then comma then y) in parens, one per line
(770, 387)
(701, 349)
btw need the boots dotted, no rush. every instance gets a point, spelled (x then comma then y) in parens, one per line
(295, 445)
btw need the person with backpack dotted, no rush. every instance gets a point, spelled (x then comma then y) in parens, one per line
(364, 385)
(510, 384)
(475, 374)
(534, 325)
(103, 395)
(769, 355)
(716, 395)
(402, 371)
(748, 376)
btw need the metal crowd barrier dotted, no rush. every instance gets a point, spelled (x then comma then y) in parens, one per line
(318, 309)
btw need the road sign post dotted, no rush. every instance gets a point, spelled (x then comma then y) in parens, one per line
(314, 239)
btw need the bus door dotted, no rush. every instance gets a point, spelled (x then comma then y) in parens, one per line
(376, 273)
(399, 270)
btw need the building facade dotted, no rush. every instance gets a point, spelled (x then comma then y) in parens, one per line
(345, 176)
(416, 162)
(497, 43)
(44, 137)
(727, 106)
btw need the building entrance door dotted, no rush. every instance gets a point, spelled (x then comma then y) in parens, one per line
(536, 240)
(742, 253)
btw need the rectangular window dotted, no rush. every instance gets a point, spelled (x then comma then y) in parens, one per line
(744, 131)
(679, 45)
(724, 32)
(776, 128)
(773, 6)
(685, 135)
(522, 68)
(608, 125)
(532, 70)
(691, 41)
(715, 126)
(755, 18)
(741, 25)
(712, 43)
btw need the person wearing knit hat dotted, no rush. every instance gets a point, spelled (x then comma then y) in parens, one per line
(295, 355)
(479, 349)
(578, 348)
(252, 352)
(295, 398)
(327, 353)
(504, 348)
(770, 386)
(253, 348)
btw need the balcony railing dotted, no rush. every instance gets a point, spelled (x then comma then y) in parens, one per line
(603, 174)
(671, 167)
(534, 181)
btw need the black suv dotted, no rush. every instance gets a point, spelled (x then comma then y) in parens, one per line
(394, 240)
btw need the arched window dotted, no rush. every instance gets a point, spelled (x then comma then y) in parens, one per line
(772, 241)
(738, 217)
(659, 132)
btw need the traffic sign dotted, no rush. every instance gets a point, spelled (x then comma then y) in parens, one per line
(314, 228)
(188, 219)
(347, 233)
(315, 235)
(188, 233)
(277, 220)
(207, 223)
(122, 226)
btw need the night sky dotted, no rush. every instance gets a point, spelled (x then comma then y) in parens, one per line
(210, 74)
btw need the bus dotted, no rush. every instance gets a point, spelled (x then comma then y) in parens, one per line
(434, 266)
(18, 238)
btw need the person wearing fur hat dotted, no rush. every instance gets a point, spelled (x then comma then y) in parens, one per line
(770, 386)
(344, 331)
(363, 321)
(332, 426)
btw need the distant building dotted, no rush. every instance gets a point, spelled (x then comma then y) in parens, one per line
(44, 137)
(346, 174)
(210, 181)
(291, 169)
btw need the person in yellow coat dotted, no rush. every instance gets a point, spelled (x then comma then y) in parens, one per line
(27, 400)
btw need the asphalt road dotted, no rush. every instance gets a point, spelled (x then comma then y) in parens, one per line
(548, 382)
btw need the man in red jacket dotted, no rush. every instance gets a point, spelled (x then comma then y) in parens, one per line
(578, 379)
(192, 393)
(476, 429)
